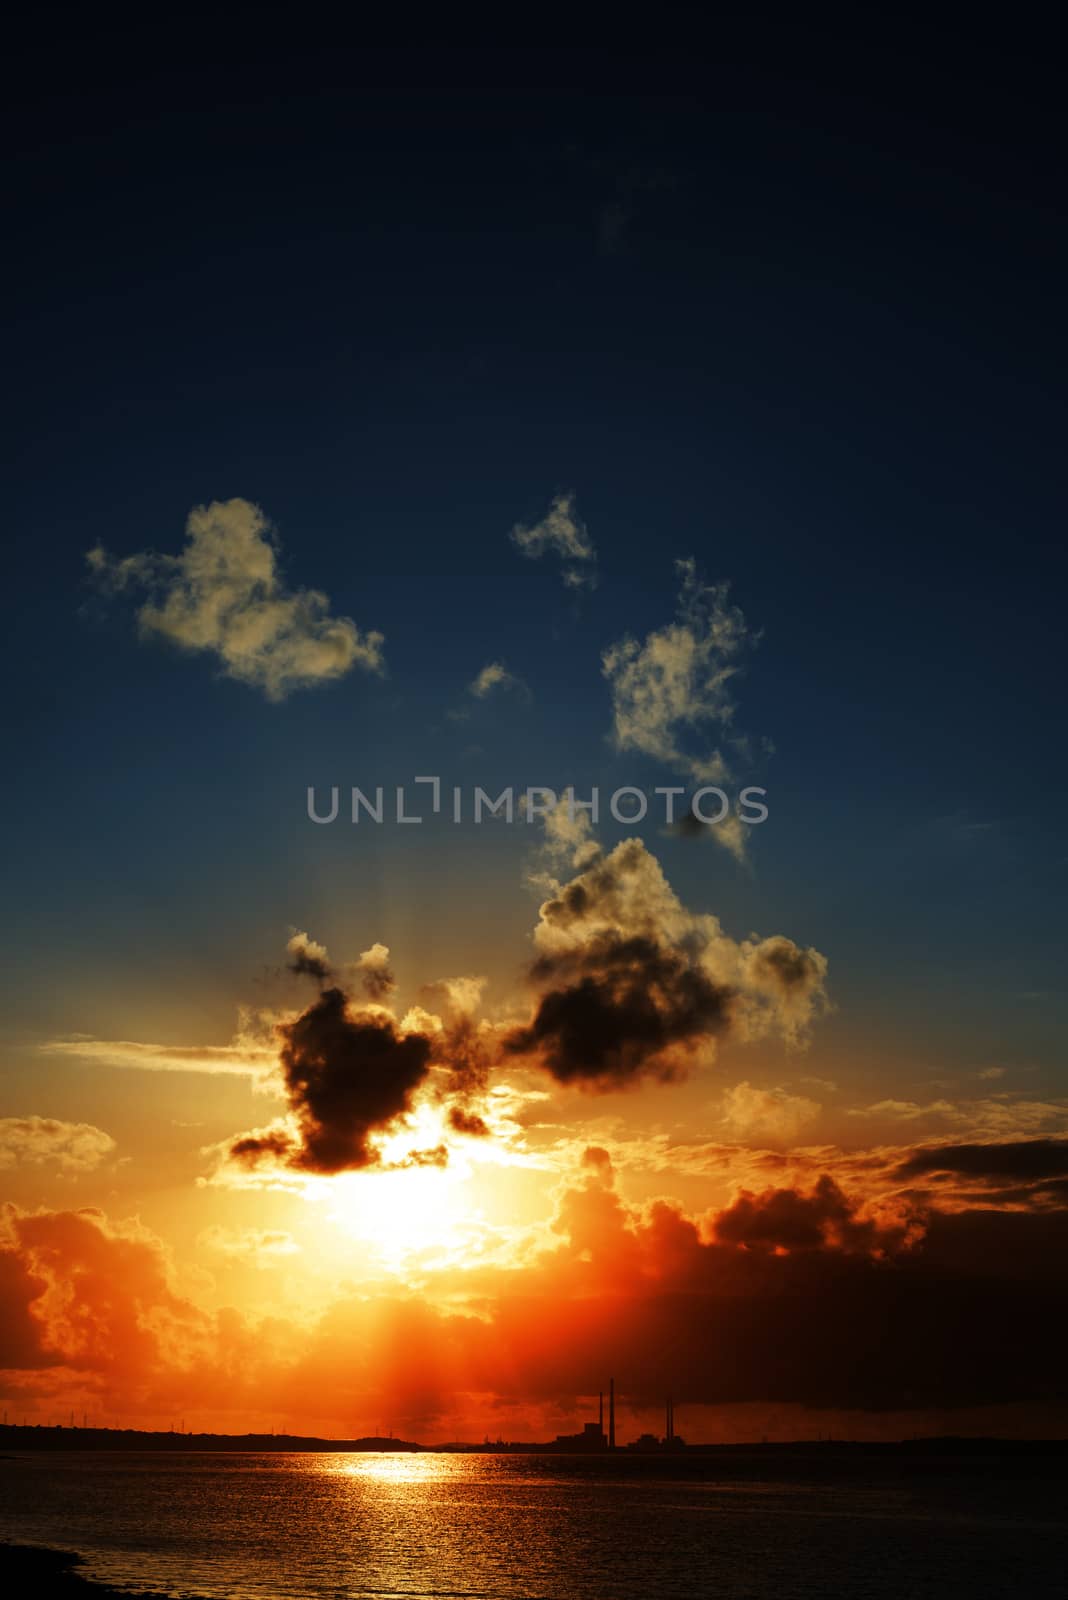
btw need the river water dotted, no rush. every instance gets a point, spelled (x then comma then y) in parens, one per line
(269, 1527)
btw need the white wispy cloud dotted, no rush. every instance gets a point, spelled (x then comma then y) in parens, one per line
(989, 1117)
(673, 690)
(563, 532)
(258, 1247)
(493, 678)
(224, 595)
(240, 1059)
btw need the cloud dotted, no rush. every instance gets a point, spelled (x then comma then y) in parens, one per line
(824, 1218)
(567, 838)
(223, 594)
(677, 685)
(259, 1247)
(470, 1123)
(375, 973)
(562, 532)
(619, 1009)
(458, 998)
(348, 1074)
(679, 679)
(97, 1295)
(1022, 1160)
(991, 1118)
(948, 1176)
(747, 1112)
(493, 677)
(247, 1057)
(780, 974)
(464, 1050)
(73, 1146)
(631, 984)
(308, 958)
(800, 1293)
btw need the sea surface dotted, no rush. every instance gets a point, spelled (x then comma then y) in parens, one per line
(264, 1527)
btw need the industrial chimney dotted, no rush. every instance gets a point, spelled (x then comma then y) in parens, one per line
(611, 1413)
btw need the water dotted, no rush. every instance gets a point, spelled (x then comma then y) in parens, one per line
(270, 1527)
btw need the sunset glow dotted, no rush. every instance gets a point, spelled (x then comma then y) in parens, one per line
(535, 838)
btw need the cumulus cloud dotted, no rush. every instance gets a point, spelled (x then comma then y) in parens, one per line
(562, 532)
(632, 984)
(308, 958)
(779, 975)
(800, 1293)
(375, 973)
(567, 839)
(93, 1295)
(750, 1113)
(348, 1074)
(464, 1049)
(225, 595)
(372, 972)
(73, 1146)
(457, 998)
(673, 689)
(823, 1218)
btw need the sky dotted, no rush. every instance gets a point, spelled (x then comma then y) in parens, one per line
(535, 421)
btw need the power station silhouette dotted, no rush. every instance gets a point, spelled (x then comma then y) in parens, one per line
(593, 1436)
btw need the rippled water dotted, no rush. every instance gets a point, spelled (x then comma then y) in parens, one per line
(547, 1527)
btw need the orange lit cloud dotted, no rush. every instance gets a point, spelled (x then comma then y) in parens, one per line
(798, 1295)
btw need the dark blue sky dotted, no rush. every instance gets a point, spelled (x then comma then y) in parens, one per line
(794, 309)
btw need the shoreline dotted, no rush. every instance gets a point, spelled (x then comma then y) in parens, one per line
(44, 1569)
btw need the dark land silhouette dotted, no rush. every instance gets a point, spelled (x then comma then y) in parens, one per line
(1049, 1454)
(29, 1569)
(18, 1437)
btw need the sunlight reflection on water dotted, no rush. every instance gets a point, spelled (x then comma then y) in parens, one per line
(406, 1468)
(303, 1527)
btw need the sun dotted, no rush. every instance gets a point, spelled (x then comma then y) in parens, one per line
(415, 1216)
(410, 1216)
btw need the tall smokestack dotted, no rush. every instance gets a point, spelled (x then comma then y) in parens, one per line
(600, 1411)
(667, 1421)
(611, 1413)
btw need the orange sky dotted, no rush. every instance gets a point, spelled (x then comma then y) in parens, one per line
(296, 1229)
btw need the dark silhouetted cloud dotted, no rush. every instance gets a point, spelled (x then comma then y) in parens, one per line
(348, 1074)
(1022, 1160)
(631, 984)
